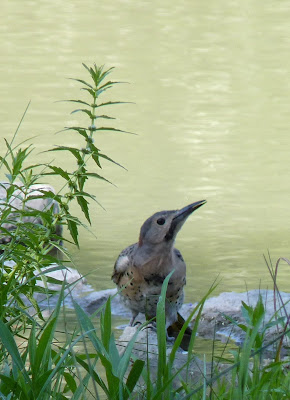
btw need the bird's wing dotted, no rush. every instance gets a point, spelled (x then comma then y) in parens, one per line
(178, 254)
(122, 263)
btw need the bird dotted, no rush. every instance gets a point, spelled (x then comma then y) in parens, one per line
(141, 268)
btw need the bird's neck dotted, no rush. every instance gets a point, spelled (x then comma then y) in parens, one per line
(157, 254)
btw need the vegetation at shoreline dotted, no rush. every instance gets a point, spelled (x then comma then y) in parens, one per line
(34, 364)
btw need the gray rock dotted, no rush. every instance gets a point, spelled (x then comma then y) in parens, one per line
(230, 303)
(214, 324)
(146, 347)
(77, 286)
(15, 203)
(68, 275)
(93, 301)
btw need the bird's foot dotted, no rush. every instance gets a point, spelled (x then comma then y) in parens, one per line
(170, 339)
(137, 323)
(132, 320)
(151, 325)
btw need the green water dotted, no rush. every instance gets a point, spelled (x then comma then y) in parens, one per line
(210, 83)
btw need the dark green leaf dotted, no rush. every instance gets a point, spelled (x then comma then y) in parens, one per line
(107, 324)
(78, 101)
(91, 91)
(59, 171)
(104, 117)
(73, 150)
(107, 85)
(107, 128)
(82, 81)
(109, 159)
(80, 130)
(73, 228)
(96, 159)
(83, 110)
(70, 382)
(8, 342)
(94, 375)
(3, 160)
(110, 103)
(84, 206)
(43, 348)
(134, 376)
(95, 175)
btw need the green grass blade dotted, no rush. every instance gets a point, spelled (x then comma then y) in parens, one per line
(9, 343)
(161, 333)
(133, 377)
(126, 356)
(94, 375)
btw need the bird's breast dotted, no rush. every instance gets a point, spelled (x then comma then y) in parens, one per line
(141, 288)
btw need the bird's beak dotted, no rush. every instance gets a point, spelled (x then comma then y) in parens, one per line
(180, 217)
(186, 211)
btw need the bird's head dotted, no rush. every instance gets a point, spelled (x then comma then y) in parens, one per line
(163, 226)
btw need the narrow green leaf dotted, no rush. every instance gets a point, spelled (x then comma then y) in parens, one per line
(87, 326)
(110, 84)
(126, 356)
(114, 353)
(107, 326)
(94, 375)
(10, 151)
(88, 112)
(107, 128)
(110, 159)
(19, 159)
(82, 81)
(134, 376)
(43, 349)
(76, 152)
(95, 175)
(113, 381)
(70, 382)
(110, 103)
(9, 343)
(95, 157)
(58, 171)
(91, 91)
(45, 194)
(35, 304)
(104, 116)
(32, 351)
(83, 203)
(73, 229)
(3, 161)
(161, 332)
(13, 387)
(78, 101)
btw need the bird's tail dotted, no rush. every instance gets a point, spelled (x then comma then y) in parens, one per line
(174, 329)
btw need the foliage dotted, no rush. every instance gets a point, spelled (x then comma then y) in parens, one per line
(29, 238)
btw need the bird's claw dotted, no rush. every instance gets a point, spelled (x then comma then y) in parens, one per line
(136, 323)
(170, 339)
(151, 325)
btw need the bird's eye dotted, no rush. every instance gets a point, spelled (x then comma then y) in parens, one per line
(161, 221)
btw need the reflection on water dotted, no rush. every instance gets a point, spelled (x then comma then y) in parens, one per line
(212, 98)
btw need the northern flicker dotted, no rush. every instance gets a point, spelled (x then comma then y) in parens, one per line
(142, 267)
